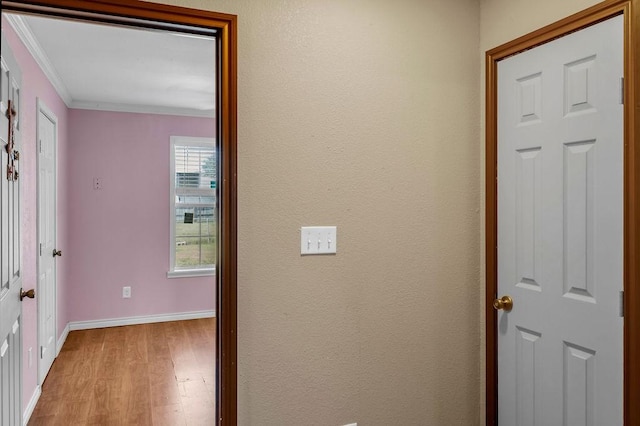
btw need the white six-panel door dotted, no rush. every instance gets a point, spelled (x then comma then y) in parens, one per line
(560, 236)
(10, 272)
(47, 137)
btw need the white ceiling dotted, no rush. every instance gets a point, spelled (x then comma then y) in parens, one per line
(105, 67)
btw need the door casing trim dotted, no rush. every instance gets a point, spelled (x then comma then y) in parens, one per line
(630, 9)
(145, 14)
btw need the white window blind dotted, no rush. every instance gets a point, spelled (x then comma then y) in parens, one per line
(193, 213)
(194, 169)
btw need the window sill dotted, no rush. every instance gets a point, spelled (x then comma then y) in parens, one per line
(188, 273)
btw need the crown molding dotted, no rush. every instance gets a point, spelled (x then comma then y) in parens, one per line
(26, 35)
(21, 28)
(142, 109)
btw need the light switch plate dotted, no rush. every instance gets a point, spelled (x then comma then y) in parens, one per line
(318, 240)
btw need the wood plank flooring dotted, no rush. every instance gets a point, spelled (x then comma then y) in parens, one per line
(150, 374)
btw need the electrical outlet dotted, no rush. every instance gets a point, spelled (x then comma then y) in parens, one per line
(97, 183)
(126, 292)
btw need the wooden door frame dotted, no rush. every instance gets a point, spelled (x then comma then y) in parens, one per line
(630, 9)
(161, 16)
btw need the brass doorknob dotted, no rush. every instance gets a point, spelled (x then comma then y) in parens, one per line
(505, 303)
(29, 293)
(57, 252)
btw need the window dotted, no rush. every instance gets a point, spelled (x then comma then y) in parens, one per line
(193, 206)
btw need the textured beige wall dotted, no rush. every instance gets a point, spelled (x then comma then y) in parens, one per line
(502, 21)
(361, 114)
(505, 20)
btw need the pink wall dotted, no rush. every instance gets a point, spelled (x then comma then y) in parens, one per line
(120, 234)
(36, 85)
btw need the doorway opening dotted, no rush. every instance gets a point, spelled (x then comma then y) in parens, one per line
(191, 24)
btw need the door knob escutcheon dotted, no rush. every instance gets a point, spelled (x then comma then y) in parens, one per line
(505, 303)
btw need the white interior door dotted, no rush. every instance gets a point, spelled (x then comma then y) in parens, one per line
(560, 236)
(47, 142)
(10, 274)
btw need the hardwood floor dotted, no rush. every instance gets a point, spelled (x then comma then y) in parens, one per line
(150, 374)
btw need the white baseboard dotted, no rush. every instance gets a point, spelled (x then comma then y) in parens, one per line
(148, 319)
(31, 406)
(62, 339)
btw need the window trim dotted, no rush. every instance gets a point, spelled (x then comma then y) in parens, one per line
(189, 273)
(174, 272)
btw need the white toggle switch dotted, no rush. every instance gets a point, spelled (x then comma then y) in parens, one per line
(318, 240)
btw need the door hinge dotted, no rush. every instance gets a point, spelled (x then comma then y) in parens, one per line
(41, 352)
(40, 249)
(622, 304)
(622, 90)
(40, 145)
